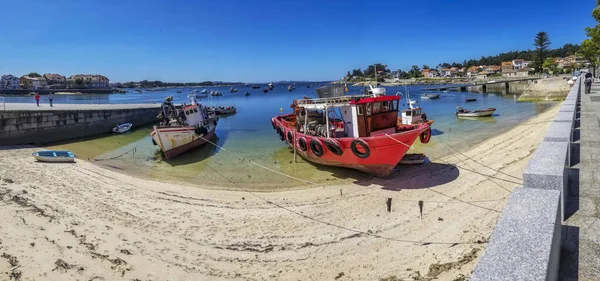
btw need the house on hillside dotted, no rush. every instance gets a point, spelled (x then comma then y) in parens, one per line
(32, 83)
(55, 81)
(524, 72)
(9, 82)
(492, 69)
(429, 73)
(445, 72)
(472, 71)
(507, 65)
(508, 73)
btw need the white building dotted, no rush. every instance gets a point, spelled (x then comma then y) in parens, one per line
(9, 82)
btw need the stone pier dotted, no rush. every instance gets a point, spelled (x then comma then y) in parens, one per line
(29, 124)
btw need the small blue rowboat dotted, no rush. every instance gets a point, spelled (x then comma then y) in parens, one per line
(54, 156)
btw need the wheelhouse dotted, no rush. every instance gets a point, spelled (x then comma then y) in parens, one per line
(347, 116)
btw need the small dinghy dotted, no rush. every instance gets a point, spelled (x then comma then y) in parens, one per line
(430, 96)
(413, 159)
(474, 113)
(54, 156)
(119, 129)
(247, 94)
(470, 99)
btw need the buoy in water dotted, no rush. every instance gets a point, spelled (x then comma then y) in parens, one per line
(281, 109)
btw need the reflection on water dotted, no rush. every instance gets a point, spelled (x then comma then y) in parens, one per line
(249, 141)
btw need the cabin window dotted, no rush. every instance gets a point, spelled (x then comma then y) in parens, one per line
(359, 110)
(385, 106)
(408, 113)
(368, 109)
(376, 107)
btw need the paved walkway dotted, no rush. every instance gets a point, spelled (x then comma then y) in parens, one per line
(580, 256)
(64, 106)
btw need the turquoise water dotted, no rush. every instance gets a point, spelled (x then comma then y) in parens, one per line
(249, 135)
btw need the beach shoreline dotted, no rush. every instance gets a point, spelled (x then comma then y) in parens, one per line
(81, 221)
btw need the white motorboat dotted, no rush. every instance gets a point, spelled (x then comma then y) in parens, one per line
(122, 128)
(475, 113)
(430, 96)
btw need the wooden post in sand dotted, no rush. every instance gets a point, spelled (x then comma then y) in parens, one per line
(389, 204)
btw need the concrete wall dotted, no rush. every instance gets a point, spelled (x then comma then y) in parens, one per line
(36, 127)
(526, 242)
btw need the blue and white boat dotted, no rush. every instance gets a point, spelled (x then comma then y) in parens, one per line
(54, 156)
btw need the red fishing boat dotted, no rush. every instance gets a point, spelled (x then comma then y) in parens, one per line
(358, 132)
(184, 129)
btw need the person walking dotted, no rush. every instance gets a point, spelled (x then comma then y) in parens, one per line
(50, 98)
(37, 99)
(588, 82)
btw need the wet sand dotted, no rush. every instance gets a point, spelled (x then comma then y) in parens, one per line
(83, 222)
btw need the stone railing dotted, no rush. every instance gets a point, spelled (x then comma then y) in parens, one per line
(526, 241)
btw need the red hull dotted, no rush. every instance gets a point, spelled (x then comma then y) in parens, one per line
(386, 151)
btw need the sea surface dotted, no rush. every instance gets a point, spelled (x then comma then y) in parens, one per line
(250, 155)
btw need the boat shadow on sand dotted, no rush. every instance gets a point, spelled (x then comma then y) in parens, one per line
(403, 177)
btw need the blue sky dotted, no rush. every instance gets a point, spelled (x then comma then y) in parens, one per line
(259, 40)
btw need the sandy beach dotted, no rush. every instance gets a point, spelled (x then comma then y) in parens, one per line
(82, 222)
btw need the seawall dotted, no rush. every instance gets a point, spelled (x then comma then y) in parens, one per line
(554, 89)
(26, 126)
(526, 242)
(22, 92)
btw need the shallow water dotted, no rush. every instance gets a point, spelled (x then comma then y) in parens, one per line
(249, 142)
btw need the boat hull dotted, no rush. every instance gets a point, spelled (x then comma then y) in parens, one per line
(54, 156)
(174, 141)
(385, 151)
(476, 114)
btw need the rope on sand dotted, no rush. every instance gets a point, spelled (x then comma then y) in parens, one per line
(118, 156)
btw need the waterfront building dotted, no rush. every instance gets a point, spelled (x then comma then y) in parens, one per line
(56, 81)
(9, 82)
(32, 83)
(87, 81)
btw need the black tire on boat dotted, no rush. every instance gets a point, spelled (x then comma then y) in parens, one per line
(316, 147)
(425, 135)
(273, 124)
(281, 134)
(290, 137)
(302, 144)
(153, 141)
(362, 155)
(334, 147)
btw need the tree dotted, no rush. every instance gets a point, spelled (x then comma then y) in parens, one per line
(34, 74)
(590, 52)
(370, 71)
(541, 43)
(414, 72)
(590, 47)
(425, 67)
(549, 65)
(79, 81)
